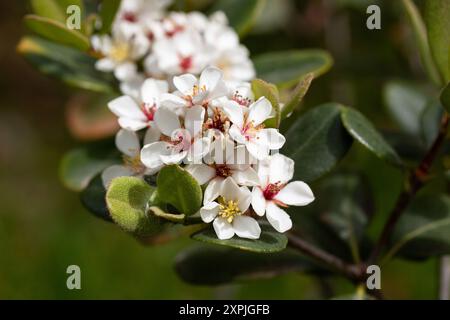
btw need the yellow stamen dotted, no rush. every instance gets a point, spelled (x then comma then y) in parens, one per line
(134, 163)
(120, 52)
(228, 209)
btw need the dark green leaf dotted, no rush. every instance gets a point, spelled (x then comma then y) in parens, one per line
(93, 199)
(66, 64)
(261, 88)
(430, 120)
(424, 228)
(108, 13)
(363, 131)
(437, 13)
(179, 189)
(57, 32)
(317, 141)
(445, 97)
(127, 199)
(241, 14)
(269, 241)
(297, 96)
(194, 265)
(287, 68)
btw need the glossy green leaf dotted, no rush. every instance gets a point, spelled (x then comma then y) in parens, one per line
(363, 131)
(66, 64)
(424, 229)
(178, 188)
(261, 88)
(430, 120)
(241, 14)
(108, 13)
(297, 96)
(445, 97)
(269, 241)
(55, 9)
(420, 34)
(287, 68)
(194, 265)
(405, 104)
(176, 218)
(127, 199)
(93, 199)
(437, 13)
(57, 32)
(80, 165)
(317, 141)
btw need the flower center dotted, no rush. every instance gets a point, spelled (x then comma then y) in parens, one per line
(129, 16)
(218, 121)
(134, 163)
(120, 52)
(176, 28)
(241, 100)
(272, 190)
(185, 63)
(222, 170)
(228, 209)
(249, 130)
(149, 110)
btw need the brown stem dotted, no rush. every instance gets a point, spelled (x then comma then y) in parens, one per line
(417, 179)
(350, 271)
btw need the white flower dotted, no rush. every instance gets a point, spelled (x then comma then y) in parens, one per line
(136, 116)
(224, 160)
(121, 51)
(177, 143)
(228, 213)
(248, 127)
(274, 191)
(197, 92)
(128, 143)
(139, 11)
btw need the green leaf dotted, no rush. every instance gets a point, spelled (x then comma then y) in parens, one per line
(430, 120)
(424, 229)
(194, 265)
(363, 131)
(176, 218)
(241, 14)
(108, 13)
(66, 64)
(80, 165)
(420, 33)
(55, 9)
(269, 241)
(93, 199)
(437, 13)
(57, 32)
(317, 141)
(261, 88)
(178, 188)
(127, 199)
(405, 104)
(445, 97)
(287, 68)
(297, 96)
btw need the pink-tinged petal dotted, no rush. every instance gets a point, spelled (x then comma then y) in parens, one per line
(230, 190)
(151, 135)
(151, 154)
(223, 229)
(247, 177)
(132, 124)
(174, 158)
(185, 83)
(258, 201)
(172, 101)
(167, 121)
(126, 107)
(246, 227)
(209, 78)
(209, 211)
(281, 168)
(152, 90)
(259, 111)
(113, 172)
(236, 134)
(213, 189)
(128, 142)
(272, 138)
(234, 112)
(201, 172)
(296, 193)
(278, 218)
(193, 120)
(221, 90)
(258, 150)
(198, 150)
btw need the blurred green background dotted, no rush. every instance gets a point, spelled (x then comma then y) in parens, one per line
(44, 228)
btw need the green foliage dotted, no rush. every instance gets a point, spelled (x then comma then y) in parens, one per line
(241, 14)
(108, 13)
(127, 199)
(178, 188)
(287, 68)
(437, 13)
(445, 97)
(261, 88)
(297, 96)
(194, 265)
(269, 241)
(54, 9)
(429, 122)
(93, 198)
(66, 64)
(319, 134)
(363, 131)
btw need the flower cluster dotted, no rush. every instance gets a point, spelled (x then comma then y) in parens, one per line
(215, 129)
(147, 41)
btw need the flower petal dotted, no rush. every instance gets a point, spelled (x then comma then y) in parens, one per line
(236, 134)
(128, 142)
(125, 71)
(209, 211)
(272, 138)
(151, 135)
(246, 227)
(223, 229)
(235, 112)
(230, 190)
(167, 121)
(247, 177)
(173, 157)
(278, 218)
(258, 150)
(152, 90)
(213, 189)
(193, 120)
(185, 83)
(296, 193)
(151, 154)
(209, 78)
(259, 111)
(258, 201)
(132, 124)
(172, 101)
(126, 107)
(201, 172)
(281, 168)
(113, 172)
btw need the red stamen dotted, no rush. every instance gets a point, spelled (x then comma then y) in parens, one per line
(129, 16)
(185, 63)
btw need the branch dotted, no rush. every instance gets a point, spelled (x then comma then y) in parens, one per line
(417, 179)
